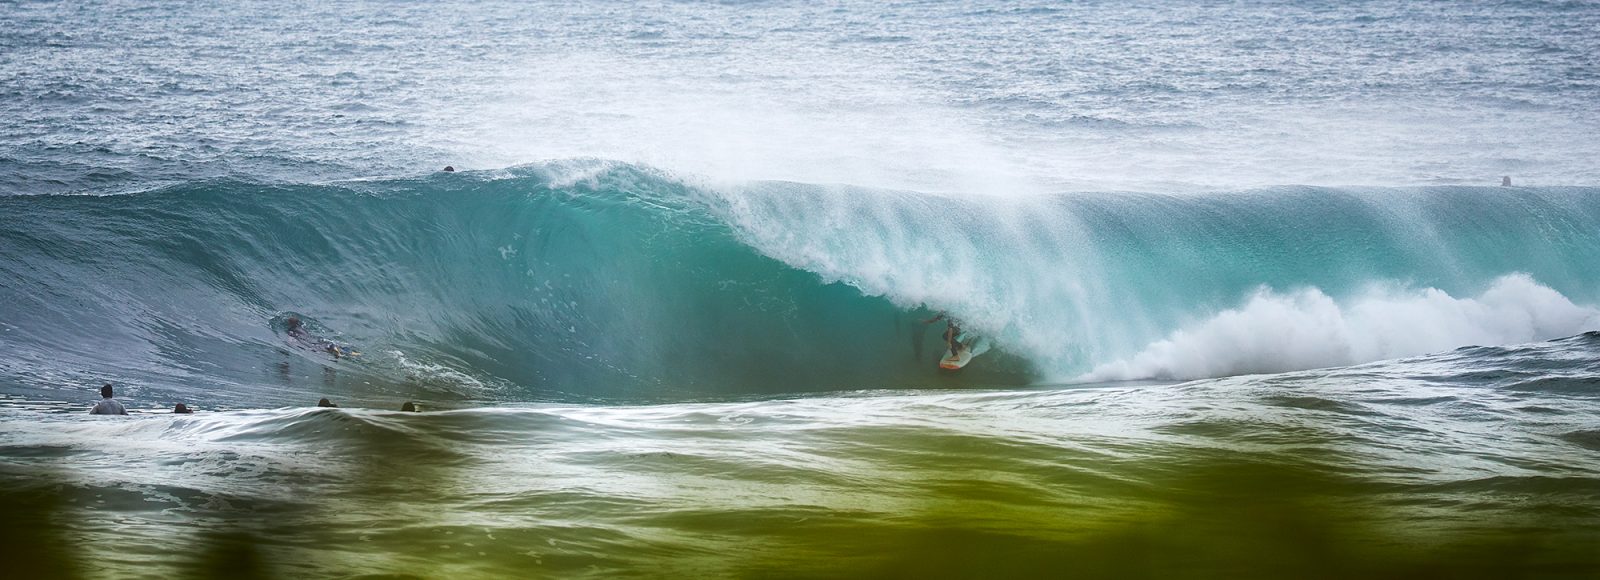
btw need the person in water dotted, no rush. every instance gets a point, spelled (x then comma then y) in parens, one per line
(107, 405)
(295, 328)
(181, 409)
(326, 403)
(952, 332)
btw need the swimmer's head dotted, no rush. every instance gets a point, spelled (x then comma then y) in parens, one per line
(105, 391)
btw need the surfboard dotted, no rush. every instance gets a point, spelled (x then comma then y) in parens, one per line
(974, 347)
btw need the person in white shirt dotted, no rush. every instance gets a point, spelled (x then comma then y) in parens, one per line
(108, 405)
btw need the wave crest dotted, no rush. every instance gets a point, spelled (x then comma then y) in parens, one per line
(1305, 329)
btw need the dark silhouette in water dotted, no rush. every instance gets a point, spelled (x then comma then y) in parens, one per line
(181, 409)
(107, 405)
(34, 539)
(409, 407)
(294, 327)
(449, 169)
(918, 333)
(952, 332)
(326, 403)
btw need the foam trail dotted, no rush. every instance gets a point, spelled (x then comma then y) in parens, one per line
(1303, 329)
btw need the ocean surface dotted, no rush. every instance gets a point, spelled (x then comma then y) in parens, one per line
(1259, 301)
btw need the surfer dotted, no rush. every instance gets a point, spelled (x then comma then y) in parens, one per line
(952, 332)
(295, 328)
(107, 405)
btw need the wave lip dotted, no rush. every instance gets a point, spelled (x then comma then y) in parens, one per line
(592, 278)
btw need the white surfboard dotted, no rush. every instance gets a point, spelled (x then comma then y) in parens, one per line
(974, 347)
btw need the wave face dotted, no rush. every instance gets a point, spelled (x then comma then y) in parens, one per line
(1144, 286)
(517, 286)
(595, 279)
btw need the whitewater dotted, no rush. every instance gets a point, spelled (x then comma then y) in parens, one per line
(1274, 289)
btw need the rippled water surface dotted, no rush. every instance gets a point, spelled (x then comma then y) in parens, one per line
(930, 96)
(1260, 305)
(1458, 465)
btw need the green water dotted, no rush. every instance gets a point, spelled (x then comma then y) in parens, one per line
(1382, 472)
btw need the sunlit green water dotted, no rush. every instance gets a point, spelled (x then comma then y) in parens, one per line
(1391, 470)
(667, 215)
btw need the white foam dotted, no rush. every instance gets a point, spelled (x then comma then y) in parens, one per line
(1303, 329)
(875, 120)
(440, 377)
(810, 118)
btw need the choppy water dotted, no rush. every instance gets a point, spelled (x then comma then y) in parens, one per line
(1478, 462)
(1258, 303)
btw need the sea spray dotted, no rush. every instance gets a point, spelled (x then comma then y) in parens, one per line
(592, 278)
(1304, 329)
(1077, 284)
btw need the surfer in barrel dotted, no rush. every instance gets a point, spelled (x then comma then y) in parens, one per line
(952, 331)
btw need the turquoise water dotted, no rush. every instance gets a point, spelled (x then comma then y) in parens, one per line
(628, 284)
(1259, 305)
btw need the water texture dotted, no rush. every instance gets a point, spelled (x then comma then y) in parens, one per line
(1260, 305)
